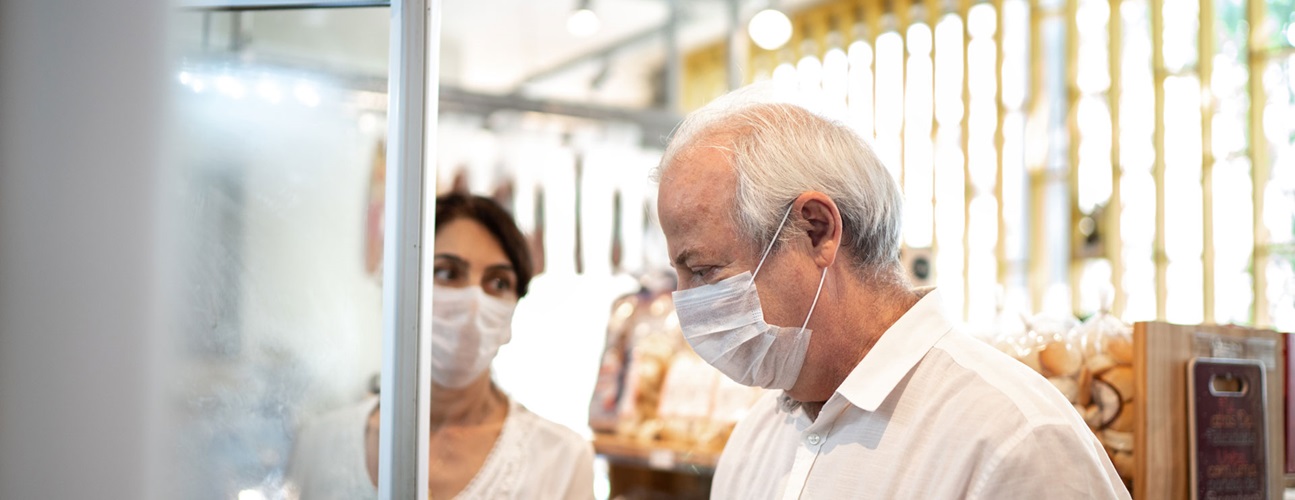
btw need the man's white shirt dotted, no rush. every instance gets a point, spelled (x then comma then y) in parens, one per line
(930, 412)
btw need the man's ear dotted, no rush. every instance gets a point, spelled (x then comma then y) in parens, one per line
(823, 225)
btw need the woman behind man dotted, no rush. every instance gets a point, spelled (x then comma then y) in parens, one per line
(482, 444)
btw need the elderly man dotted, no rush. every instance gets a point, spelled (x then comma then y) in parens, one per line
(778, 216)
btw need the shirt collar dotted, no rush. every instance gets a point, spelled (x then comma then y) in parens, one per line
(896, 353)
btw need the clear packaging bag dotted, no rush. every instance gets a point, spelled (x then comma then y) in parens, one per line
(1107, 346)
(1091, 364)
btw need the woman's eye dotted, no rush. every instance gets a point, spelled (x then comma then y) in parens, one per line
(500, 285)
(445, 273)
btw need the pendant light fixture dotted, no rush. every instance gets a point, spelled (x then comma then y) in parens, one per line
(770, 29)
(583, 22)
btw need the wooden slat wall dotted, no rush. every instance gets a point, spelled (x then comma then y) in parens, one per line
(704, 76)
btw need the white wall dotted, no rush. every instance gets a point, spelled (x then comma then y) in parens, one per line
(81, 86)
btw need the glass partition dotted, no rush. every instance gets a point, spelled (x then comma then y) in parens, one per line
(279, 125)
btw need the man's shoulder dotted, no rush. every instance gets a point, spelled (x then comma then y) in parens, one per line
(977, 373)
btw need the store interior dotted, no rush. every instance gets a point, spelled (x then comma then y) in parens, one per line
(1078, 175)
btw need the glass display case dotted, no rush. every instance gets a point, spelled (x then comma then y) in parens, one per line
(279, 174)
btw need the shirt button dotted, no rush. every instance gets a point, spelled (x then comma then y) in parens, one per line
(814, 439)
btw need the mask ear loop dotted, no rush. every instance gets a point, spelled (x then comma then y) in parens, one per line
(821, 278)
(771, 242)
(815, 303)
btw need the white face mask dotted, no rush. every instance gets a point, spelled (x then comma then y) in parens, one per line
(724, 323)
(468, 327)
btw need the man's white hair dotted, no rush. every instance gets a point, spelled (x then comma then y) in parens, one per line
(781, 147)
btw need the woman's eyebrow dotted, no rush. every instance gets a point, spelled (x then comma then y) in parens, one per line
(501, 267)
(451, 257)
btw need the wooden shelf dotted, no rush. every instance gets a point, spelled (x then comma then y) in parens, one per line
(657, 456)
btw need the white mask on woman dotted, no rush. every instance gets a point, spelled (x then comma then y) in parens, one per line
(724, 323)
(468, 327)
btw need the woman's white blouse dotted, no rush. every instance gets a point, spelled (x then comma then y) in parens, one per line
(532, 458)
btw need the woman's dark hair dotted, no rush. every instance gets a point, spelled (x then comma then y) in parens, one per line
(498, 222)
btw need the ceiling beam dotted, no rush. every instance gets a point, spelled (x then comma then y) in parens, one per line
(657, 124)
(599, 53)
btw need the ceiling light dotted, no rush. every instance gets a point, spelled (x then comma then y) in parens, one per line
(770, 29)
(251, 494)
(583, 22)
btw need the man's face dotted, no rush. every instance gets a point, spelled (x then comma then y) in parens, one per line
(696, 206)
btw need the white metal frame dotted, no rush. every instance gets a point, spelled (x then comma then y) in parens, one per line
(278, 4)
(406, 345)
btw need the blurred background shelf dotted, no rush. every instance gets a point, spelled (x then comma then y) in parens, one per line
(660, 470)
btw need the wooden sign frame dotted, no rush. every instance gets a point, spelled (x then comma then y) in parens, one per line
(1161, 352)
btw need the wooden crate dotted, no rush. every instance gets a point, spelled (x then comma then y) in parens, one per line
(1161, 352)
